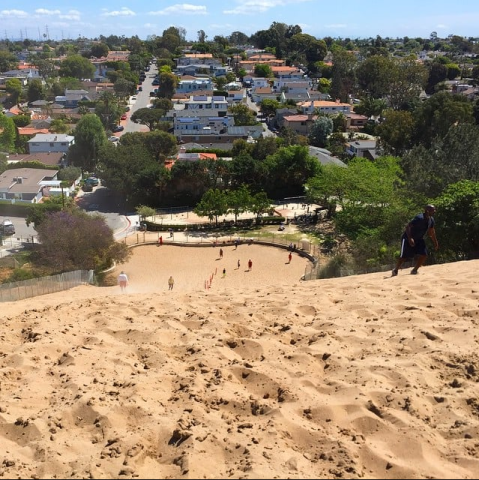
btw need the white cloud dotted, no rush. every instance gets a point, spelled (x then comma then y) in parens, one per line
(336, 25)
(71, 15)
(124, 12)
(252, 7)
(44, 11)
(13, 14)
(182, 9)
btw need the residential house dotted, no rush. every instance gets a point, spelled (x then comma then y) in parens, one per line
(72, 98)
(235, 96)
(299, 123)
(261, 93)
(192, 86)
(325, 157)
(197, 58)
(284, 73)
(281, 114)
(325, 106)
(23, 75)
(27, 185)
(51, 142)
(51, 158)
(362, 148)
(355, 121)
(30, 131)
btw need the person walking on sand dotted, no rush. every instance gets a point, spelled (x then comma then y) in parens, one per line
(412, 240)
(221, 253)
(250, 264)
(122, 280)
(290, 257)
(224, 272)
(171, 282)
(239, 264)
(160, 241)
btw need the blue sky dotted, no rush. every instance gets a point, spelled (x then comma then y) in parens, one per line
(346, 18)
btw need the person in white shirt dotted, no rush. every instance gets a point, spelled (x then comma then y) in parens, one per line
(123, 280)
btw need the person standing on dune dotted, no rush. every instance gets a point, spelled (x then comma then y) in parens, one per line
(412, 240)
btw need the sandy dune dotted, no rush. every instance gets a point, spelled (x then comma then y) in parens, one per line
(260, 376)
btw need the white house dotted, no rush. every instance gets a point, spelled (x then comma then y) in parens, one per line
(192, 86)
(324, 106)
(50, 142)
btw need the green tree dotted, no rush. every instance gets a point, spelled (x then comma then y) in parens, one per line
(123, 87)
(7, 134)
(269, 106)
(99, 50)
(457, 220)
(242, 115)
(407, 80)
(260, 203)
(319, 131)
(38, 212)
(108, 109)
(74, 240)
(35, 90)
(437, 74)
(263, 70)
(150, 117)
(450, 159)
(213, 204)
(288, 171)
(343, 74)
(8, 61)
(396, 132)
(374, 76)
(168, 84)
(69, 173)
(238, 201)
(76, 66)
(89, 138)
(13, 87)
(59, 126)
(437, 114)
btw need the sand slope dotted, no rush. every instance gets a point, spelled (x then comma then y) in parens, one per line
(367, 376)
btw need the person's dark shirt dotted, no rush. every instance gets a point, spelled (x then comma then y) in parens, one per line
(419, 226)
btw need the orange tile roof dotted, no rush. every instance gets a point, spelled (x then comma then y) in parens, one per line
(31, 131)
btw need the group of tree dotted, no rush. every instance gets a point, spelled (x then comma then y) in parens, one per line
(216, 203)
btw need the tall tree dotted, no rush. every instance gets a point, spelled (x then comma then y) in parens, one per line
(7, 134)
(343, 74)
(213, 204)
(89, 138)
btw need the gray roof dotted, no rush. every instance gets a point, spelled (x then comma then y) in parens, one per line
(324, 156)
(30, 179)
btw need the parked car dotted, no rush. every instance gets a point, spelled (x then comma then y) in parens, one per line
(133, 98)
(118, 128)
(123, 117)
(113, 138)
(87, 187)
(7, 227)
(140, 89)
(93, 181)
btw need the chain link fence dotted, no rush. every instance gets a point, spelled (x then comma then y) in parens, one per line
(11, 292)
